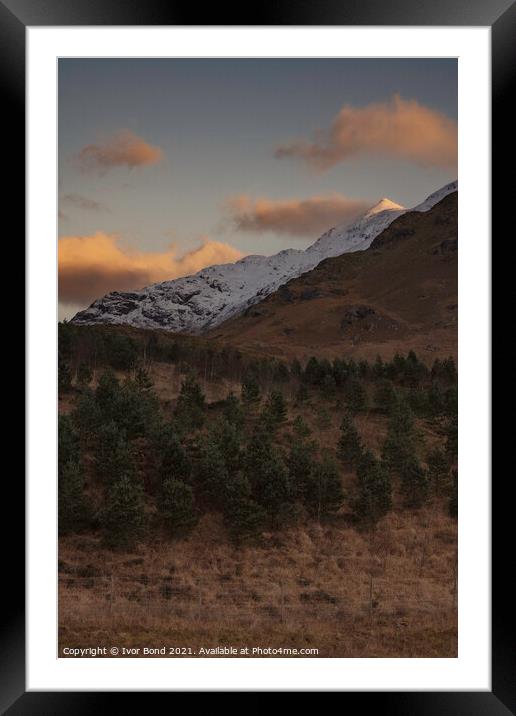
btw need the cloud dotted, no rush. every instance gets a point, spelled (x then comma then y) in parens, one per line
(124, 149)
(82, 202)
(296, 217)
(403, 129)
(91, 266)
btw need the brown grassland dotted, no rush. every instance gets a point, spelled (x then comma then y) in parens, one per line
(390, 592)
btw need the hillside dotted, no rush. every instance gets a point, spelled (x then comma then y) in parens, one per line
(271, 530)
(397, 295)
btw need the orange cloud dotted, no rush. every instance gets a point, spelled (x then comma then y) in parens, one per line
(296, 217)
(123, 149)
(403, 129)
(91, 266)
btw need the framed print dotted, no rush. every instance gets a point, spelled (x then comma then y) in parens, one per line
(258, 354)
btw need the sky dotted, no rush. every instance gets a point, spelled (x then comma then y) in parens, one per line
(170, 165)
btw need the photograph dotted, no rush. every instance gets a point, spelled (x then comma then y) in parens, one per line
(257, 357)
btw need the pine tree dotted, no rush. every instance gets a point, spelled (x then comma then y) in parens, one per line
(64, 375)
(385, 396)
(84, 374)
(72, 506)
(312, 373)
(328, 385)
(87, 416)
(301, 466)
(268, 475)
(324, 495)
(340, 372)
(143, 380)
(227, 438)
(401, 437)
(323, 418)
(107, 395)
(281, 373)
(414, 482)
(172, 459)
(379, 368)
(452, 439)
(414, 370)
(355, 396)
(250, 390)
(243, 516)
(436, 399)
(113, 457)
(233, 411)
(275, 410)
(190, 408)
(211, 474)
(302, 394)
(122, 351)
(123, 518)
(453, 504)
(374, 492)
(438, 471)
(300, 428)
(68, 441)
(134, 410)
(295, 368)
(349, 447)
(451, 405)
(177, 506)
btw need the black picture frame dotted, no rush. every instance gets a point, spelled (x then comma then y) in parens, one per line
(15, 17)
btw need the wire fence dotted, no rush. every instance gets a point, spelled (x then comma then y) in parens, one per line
(108, 598)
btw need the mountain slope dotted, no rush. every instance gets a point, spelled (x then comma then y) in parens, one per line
(400, 293)
(197, 303)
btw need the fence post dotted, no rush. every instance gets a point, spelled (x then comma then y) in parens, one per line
(112, 594)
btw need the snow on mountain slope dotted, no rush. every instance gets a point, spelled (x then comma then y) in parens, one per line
(197, 303)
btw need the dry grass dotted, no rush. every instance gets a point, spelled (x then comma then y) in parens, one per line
(386, 594)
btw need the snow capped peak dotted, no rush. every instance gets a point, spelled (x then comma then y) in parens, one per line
(194, 304)
(384, 204)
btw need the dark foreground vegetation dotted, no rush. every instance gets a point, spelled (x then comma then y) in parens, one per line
(158, 467)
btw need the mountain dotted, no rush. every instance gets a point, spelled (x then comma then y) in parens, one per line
(398, 294)
(195, 304)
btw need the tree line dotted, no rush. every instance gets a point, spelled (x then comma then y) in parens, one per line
(243, 456)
